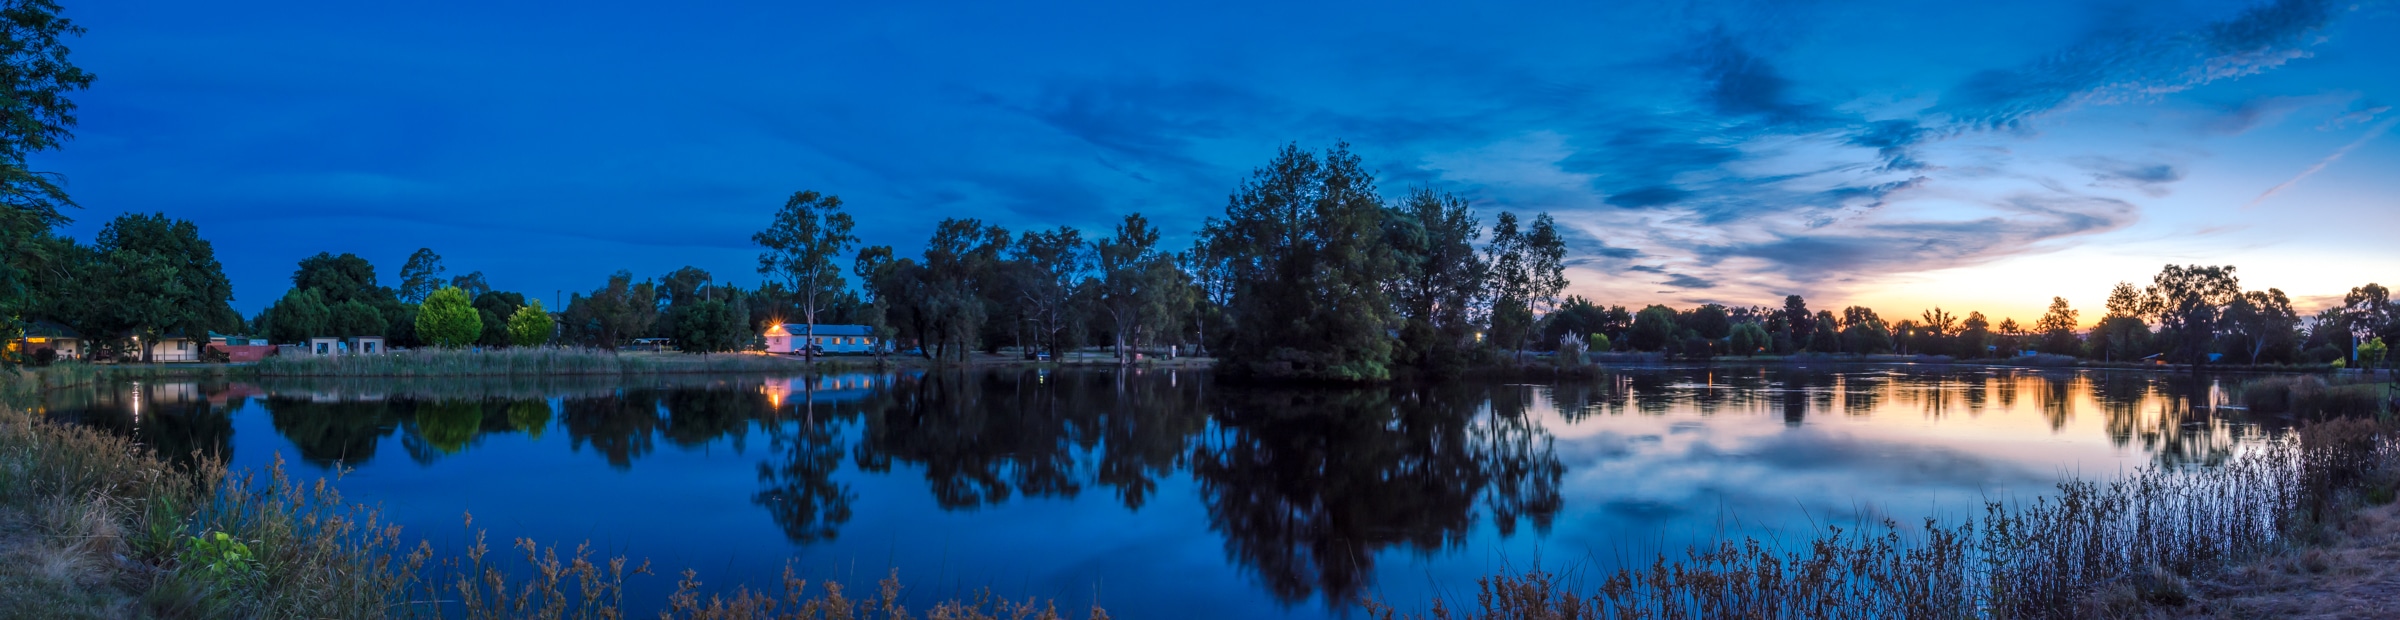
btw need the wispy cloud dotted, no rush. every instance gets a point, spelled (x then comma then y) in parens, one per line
(2313, 169)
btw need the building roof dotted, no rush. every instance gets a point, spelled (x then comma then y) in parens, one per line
(823, 329)
(46, 329)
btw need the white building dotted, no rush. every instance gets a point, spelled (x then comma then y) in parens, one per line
(831, 339)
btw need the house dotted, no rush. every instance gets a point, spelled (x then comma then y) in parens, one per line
(47, 335)
(168, 348)
(785, 339)
(240, 348)
(358, 345)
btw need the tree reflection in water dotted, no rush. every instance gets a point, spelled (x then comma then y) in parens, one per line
(1306, 487)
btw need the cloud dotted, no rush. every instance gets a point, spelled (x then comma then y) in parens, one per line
(2359, 113)
(2263, 111)
(2117, 65)
(2151, 178)
(1651, 196)
(2313, 169)
(1742, 83)
(1688, 282)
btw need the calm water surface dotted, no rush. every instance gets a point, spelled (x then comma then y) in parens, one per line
(1164, 494)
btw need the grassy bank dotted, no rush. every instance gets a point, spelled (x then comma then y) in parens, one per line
(94, 526)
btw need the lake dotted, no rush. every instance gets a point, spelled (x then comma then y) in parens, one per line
(1164, 493)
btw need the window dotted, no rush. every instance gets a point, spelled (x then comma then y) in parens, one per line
(183, 345)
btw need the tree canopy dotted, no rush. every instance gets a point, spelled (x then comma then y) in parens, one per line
(448, 319)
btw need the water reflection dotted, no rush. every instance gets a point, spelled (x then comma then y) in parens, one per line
(1308, 490)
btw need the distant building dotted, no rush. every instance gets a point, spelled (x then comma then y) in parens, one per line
(831, 339)
(329, 345)
(169, 348)
(240, 348)
(47, 335)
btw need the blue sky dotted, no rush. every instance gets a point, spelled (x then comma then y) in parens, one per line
(1971, 155)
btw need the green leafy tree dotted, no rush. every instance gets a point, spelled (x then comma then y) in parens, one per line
(472, 282)
(808, 235)
(2189, 301)
(495, 308)
(2057, 328)
(530, 325)
(420, 276)
(1527, 271)
(448, 319)
(702, 327)
(2261, 322)
(347, 277)
(2369, 313)
(162, 278)
(1864, 333)
(1709, 321)
(1825, 335)
(354, 318)
(2371, 352)
(1974, 335)
(1301, 241)
(1799, 323)
(1136, 282)
(35, 78)
(613, 313)
(961, 258)
(1046, 267)
(1750, 339)
(1653, 329)
(1440, 284)
(300, 315)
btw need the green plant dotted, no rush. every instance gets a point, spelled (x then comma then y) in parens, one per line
(222, 556)
(530, 326)
(448, 319)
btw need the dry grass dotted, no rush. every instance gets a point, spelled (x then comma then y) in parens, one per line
(2357, 575)
(94, 526)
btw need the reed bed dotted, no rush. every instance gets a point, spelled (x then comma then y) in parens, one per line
(2094, 550)
(2313, 397)
(534, 361)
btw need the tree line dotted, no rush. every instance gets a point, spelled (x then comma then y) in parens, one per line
(2188, 313)
(1309, 273)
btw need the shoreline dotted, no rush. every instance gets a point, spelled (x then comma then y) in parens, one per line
(2325, 553)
